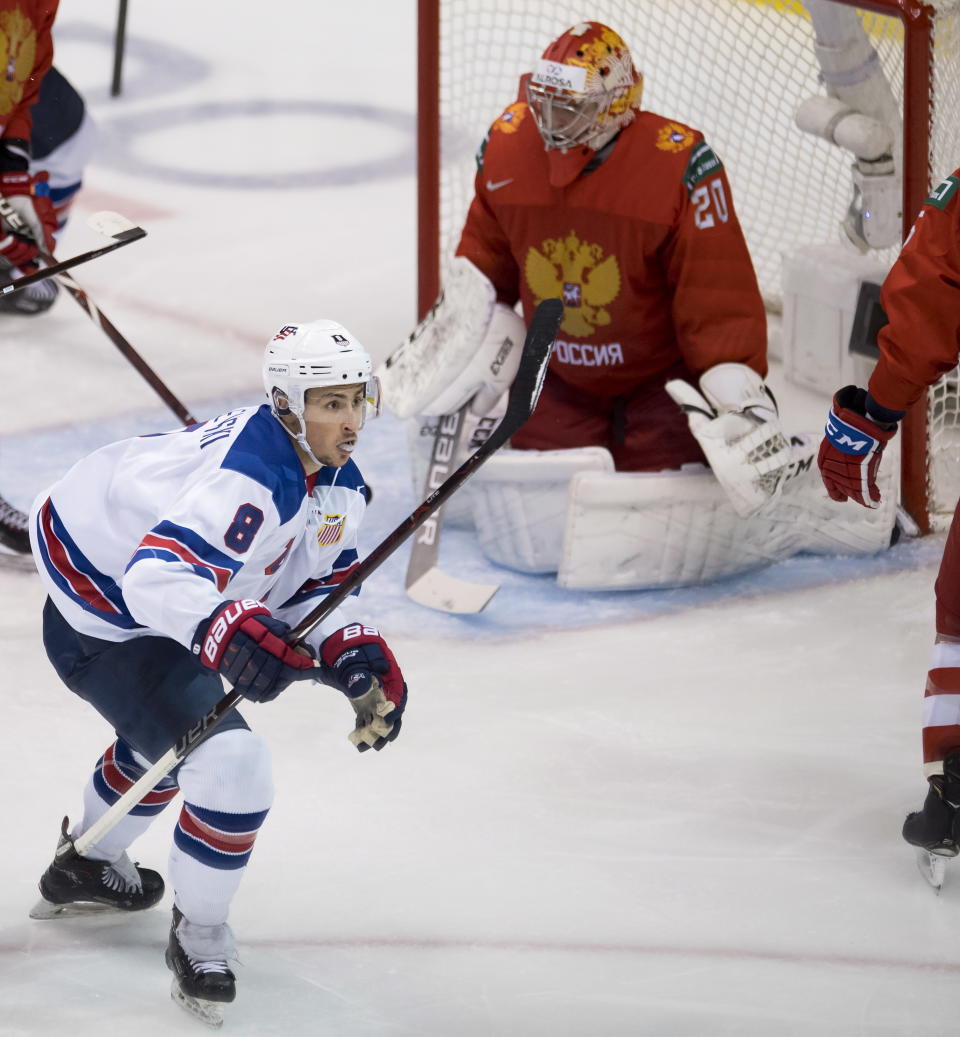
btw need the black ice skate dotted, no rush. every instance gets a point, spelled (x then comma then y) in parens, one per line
(202, 980)
(13, 529)
(30, 301)
(935, 830)
(75, 885)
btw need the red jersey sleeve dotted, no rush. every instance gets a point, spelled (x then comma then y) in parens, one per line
(717, 309)
(921, 298)
(35, 35)
(484, 243)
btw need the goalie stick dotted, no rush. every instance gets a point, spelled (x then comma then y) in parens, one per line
(425, 582)
(14, 221)
(523, 396)
(110, 224)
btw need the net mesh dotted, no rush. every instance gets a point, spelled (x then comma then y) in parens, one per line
(943, 400)
(736, 70)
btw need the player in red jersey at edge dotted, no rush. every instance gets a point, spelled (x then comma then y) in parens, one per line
(921, 342)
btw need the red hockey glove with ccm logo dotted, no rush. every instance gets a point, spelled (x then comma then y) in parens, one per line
(245, 643)
(852, 447)
(357, 661)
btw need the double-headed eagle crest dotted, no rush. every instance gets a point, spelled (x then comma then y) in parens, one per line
(18, 53)
(579, 274)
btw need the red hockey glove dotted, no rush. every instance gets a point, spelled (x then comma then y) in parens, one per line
(29, 197)
(357, 661)
(245, 643)
(851, 449)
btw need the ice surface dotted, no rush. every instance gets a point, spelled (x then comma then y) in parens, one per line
(624, 814)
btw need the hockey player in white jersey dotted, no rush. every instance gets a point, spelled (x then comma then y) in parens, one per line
(173, 560)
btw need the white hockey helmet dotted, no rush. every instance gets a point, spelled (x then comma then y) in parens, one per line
(314, 355)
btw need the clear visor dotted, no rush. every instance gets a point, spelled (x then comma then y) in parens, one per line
(565, 120)
(344, 405)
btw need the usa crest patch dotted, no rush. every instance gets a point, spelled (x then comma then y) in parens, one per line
(331, 530)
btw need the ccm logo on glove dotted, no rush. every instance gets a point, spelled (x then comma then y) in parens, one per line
(842, 436)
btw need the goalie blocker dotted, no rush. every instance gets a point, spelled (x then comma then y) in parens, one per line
(466, 349)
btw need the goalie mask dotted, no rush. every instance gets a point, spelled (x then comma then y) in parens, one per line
(315, 355)
(584, 89)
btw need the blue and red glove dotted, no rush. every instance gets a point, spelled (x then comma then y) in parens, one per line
(357, 661)
(853, 444)
(245, 643)
(29, 197)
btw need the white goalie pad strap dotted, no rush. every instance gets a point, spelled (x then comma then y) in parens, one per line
(734, 419)
(520, 504)
(454, 352)
(636, 531)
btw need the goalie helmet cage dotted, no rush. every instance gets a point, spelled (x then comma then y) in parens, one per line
(736, 70)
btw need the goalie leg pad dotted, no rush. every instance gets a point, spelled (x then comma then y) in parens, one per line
(828, 527)
(520, 503)
(642, 531)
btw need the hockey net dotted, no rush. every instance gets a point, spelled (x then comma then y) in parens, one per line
(736, 70)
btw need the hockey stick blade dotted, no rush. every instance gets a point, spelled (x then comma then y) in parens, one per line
(522, 398)
(114, 225)
(110, 224)
(438, 590)
(425, 582)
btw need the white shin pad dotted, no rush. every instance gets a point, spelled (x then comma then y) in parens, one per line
(673, 529)
(519, 504)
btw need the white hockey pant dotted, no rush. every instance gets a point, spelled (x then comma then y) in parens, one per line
(227, 788)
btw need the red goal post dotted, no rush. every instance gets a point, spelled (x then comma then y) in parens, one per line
(735, 69)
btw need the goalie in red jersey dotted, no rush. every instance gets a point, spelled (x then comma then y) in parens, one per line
(921, 342)
(628, 218)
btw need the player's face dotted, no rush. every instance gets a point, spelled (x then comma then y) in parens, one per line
(333, 417)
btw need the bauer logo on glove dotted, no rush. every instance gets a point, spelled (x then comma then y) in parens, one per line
(368, 674)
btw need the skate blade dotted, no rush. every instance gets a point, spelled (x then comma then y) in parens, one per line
(933, 868)
(44, 909)
(209, 1012)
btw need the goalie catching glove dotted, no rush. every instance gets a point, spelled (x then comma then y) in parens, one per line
(734, 419)
(245, 643)
(856, 432)
(357, 661)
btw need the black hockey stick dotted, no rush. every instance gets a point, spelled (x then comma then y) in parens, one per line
(523, 397)
(425, 582)
(110, 224)
(12, 218)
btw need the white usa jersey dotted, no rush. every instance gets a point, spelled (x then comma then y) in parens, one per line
(150, 535)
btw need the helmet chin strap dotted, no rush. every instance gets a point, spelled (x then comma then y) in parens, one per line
(301, 437)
